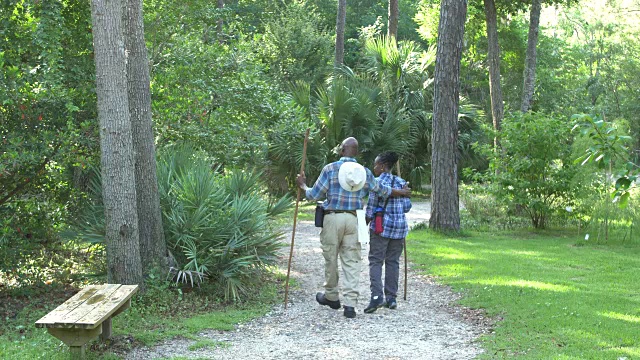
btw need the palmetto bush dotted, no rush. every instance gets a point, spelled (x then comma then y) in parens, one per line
(217, 224)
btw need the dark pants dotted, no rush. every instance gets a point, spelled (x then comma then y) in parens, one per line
(387, 251)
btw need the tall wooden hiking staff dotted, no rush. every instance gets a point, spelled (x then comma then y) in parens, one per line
(405, 249)
(295, 218)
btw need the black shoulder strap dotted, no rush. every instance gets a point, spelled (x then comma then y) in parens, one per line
(386, 201)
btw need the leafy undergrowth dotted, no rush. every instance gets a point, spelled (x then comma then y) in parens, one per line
(164, 311)
(557, 297)
(35, 275)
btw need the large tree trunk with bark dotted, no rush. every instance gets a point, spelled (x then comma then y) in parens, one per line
(530, 60)
(340, 25)
(153, 249)
(220, 35)
(493, 57)
(445, 208)
(392, 27)
(117, 160)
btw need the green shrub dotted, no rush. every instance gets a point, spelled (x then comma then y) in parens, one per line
(481, 210)
(534, 166)
(608, 148)
(606, 209)
(479, 202)
(605, 222)
(47, 112)
(479, 206)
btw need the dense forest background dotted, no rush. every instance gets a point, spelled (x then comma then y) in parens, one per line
(234, 85)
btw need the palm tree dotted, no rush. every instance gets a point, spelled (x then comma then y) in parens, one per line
(401, 71)
(385, 104)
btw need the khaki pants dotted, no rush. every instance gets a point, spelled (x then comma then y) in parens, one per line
(339, 236)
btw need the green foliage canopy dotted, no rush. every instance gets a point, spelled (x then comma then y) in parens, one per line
(47, 111)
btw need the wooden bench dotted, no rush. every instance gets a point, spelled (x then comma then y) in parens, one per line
(87, 314)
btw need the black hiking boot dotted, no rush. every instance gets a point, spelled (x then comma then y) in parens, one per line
(349, 312)
(391, 303)
(375, 303)
(322, 300)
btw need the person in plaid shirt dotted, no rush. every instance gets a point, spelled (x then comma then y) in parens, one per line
(386, 246)
(339, 234)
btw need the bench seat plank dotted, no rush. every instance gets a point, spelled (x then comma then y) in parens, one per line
(68, 306)
(102, 301)
(87, 315)
(107, 307)
(69, 319)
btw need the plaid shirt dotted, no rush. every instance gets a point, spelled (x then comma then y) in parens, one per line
(327, 186)
(395, 222)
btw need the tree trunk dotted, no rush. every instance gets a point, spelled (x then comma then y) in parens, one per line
(493, 57)
(445, 208)
(219, 33)
(117, 161)
(153, 249)
(340, 24)
(392, 27)
(530, 60)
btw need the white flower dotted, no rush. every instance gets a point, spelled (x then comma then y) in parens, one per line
(586, 237)
(569, 208)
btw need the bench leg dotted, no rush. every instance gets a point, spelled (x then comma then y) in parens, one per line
(76, 338)
(78, 352)
(106, 330)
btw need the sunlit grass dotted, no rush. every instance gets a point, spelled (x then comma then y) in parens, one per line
(451, 253)
(556, 300)
(625, 317)
(524, 284)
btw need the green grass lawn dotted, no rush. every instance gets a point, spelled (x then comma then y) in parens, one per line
(555, 299)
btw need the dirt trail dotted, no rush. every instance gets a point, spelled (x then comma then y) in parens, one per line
(425, 326)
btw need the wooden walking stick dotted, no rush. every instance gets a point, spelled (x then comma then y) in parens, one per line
(295, 218)
(405, 248)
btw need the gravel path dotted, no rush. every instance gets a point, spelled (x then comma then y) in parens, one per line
(425, 326)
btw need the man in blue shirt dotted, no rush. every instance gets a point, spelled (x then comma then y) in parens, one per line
(343, 194)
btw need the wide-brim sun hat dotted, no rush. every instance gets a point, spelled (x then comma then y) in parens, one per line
(352, 176)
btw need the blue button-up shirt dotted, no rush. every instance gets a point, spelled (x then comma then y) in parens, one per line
(395, 222)
(327, 186)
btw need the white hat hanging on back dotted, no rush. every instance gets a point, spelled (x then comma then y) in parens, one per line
(352, 176)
